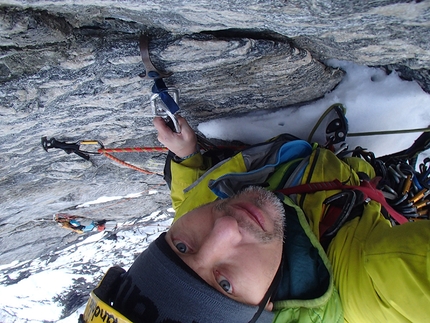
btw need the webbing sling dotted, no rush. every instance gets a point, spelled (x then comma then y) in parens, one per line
(369, 190)
(161, 89)
(152, 73)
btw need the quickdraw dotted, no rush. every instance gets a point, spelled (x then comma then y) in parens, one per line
(217, 152)
(75, 147)
(406, 189)
(164, 101)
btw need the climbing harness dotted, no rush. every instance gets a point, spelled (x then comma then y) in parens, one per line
(404, 188)
(366, 187)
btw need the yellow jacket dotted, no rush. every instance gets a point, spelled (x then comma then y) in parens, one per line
(355, 266)
(190, 189)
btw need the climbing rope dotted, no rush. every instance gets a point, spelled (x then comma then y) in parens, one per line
(107, 152)
(121, 162)
(323, 116)
(204, 144)
(133, 150)
(361, 134)
(387, 132)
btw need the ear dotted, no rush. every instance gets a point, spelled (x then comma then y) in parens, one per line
(269, 306)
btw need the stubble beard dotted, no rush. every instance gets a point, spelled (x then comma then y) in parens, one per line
(265, 200)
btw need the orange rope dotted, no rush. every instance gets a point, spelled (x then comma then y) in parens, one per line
(119, 161)
(107, 151)
(133, 150)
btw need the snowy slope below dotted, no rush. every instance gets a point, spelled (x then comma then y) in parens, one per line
(54, 286)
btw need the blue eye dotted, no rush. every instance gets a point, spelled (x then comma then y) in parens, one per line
(182, 247)
(225, 284)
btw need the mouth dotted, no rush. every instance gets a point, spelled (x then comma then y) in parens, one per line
(253, 212)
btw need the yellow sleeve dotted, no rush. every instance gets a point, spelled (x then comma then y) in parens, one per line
(190, 180)
(184, 174)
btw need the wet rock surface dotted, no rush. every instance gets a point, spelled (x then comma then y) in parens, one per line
(71, 70)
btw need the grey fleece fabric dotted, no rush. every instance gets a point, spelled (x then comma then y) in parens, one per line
(160, 288)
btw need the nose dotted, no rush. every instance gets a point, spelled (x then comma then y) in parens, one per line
(221, 242)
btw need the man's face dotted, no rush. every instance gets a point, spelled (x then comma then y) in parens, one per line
(234, 244)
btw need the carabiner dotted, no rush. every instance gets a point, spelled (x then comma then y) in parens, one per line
(347, 199)
(92, 142)
(159, 109)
